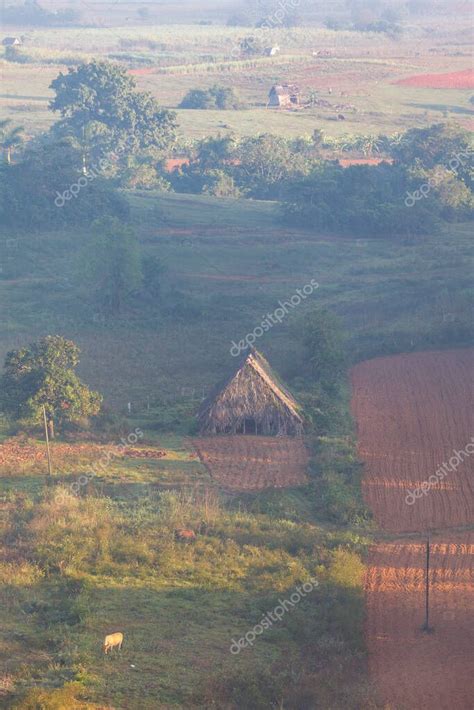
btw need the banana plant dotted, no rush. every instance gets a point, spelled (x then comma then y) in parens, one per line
(10, 138)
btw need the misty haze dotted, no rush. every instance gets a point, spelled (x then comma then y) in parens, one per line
(236, 355)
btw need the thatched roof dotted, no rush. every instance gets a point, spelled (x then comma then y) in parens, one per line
(251, 400)
(285, 90)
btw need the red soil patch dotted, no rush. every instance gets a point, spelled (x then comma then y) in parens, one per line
(347, 162)
(144, 453)
(454, 80)
(17, 455)
(143, 71)
(412, 412)
(252, 463)
(175, 163)
(414, 670)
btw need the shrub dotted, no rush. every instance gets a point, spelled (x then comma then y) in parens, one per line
(217, 97)
(64, 698)
(220, 184)
(346, 569)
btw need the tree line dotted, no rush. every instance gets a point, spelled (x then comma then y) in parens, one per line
(109, 135)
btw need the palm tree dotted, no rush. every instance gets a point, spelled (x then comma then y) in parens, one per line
(10, 138)
(370, 144)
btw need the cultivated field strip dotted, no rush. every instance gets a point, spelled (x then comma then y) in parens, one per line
(414, 670)
(251, 463)
(412, 412)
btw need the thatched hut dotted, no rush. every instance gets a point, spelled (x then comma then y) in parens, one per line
(284, 96)
(251, 401)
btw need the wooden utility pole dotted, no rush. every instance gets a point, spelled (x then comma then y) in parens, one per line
(426, 626)
(50, 472)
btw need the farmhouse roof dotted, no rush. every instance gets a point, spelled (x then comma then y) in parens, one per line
(11, 41)
(285, 89)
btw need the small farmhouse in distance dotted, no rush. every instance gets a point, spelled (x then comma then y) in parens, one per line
(11, 42)
(272, 51)
(251, 401)
(284, 96)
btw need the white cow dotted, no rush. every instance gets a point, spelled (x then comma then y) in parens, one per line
(113, 641)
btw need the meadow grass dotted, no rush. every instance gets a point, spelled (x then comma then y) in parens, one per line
(74, 568)
(228, 262)
(183, 57)
(92, 564)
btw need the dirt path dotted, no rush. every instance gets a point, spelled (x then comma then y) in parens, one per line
(412, 411)
(251, 463)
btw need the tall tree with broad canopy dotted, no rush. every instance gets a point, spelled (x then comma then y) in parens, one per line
(443, 144)
(101, 108)
(42, 374)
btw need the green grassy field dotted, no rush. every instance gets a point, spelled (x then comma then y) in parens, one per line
(73, 568)
(92, 564)
(363, 66)
(227, 263)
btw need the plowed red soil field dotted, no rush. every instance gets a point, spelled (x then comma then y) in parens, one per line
(412, 411)
(18, 456)
(454, 80)
(414, 670)
(252, 463)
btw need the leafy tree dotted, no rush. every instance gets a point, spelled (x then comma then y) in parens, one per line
(31, 13)
(42, 375)
(111, 264)
(323, 340)
(317, 137)
(13, 54)
(435, 145)
(210, 167)
(153, 271)
(220, 184)
(198, 99)
(264, 162)
(217, 97)
(10, 138)
(360, 200)
(47, 187)
(370, 144)
(214, 152)
(251, 46)
(101, 98)
(454, 196)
